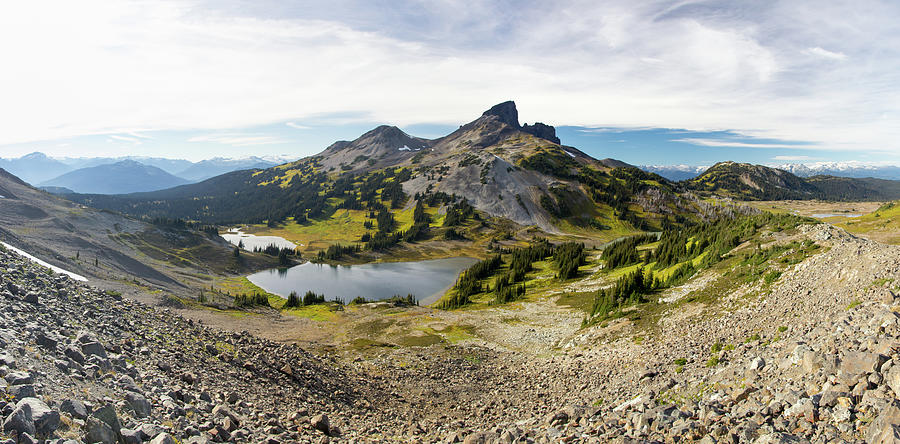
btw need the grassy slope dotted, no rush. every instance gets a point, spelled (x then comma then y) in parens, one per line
(882, 225)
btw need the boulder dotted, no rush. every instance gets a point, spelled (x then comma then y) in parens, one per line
(32, 297)
(98, 431)
(892, 379)
(132, 436)
(19, 421)
(107, 415)
(883, 428)
(21, 391)
(74, 354)
(320, 423)
(19, 378)
(46, 420)
(138, 404)
(163, 438)
(858, 363)
(73, 408)
(93, 349)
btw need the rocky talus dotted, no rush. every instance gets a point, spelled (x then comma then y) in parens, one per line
(809, 357)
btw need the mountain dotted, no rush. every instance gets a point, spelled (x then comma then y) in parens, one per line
(675, 173)
(756, 182)
(853, 169)
(506, 170)
(843, 169)
(126, 176)
(35, 167)
(171, 166)
(213, 167)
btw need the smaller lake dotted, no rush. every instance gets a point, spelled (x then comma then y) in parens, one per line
(235, 236)
(426, 280)
(827, 215)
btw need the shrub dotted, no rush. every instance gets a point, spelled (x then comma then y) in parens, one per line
(293, 300)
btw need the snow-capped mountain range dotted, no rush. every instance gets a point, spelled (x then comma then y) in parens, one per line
(842, 169)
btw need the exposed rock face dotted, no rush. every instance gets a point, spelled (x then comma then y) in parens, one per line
(543, 131)
(507, 113)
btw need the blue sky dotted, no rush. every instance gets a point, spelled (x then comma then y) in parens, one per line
(651, 82)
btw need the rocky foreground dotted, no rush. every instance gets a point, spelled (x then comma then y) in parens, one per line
(812, 357)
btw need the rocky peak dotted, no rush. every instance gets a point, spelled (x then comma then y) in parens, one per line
(507, 113)
(543, 131)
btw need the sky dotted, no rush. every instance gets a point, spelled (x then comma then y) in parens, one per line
(649, 82)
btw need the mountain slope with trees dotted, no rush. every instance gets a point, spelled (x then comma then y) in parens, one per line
(756, 182)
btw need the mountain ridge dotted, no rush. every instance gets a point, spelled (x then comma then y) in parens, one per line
(125, 176)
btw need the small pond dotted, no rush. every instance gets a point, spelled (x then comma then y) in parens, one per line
(251, 241)
(426, 280)
(827, 215)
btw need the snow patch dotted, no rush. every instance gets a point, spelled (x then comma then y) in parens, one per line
(570, 153)
(56, 269)
(404, 148)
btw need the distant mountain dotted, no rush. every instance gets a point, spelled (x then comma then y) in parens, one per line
(171, 166)
(756, 182)
(213, 167)
(126, 176)
(840, 169)
(843, 169)
(675, 173)
(35, 167)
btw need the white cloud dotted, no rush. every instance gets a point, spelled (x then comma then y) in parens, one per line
(791, 158)
(133, 140)
(826, 53)
(733, 144)
(298, 126)
(114, 67)
(236, 139)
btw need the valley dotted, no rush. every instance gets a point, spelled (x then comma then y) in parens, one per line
(491, 285)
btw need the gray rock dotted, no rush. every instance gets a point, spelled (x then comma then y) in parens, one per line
(74, 354)
(45, 340)
(98, 431)
(163, 438)
(19, 378)
(107, 414)
(19, 421)
(32, 297)
(74, 408)
(21, 391)
(149, 431)
(93, 349)
(46, 420)
(132, 436)
(139, 404)
(7, 360)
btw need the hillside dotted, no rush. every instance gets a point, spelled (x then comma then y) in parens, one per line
(789, 337)
(756, 182)
(111, 248)
(127, 176)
